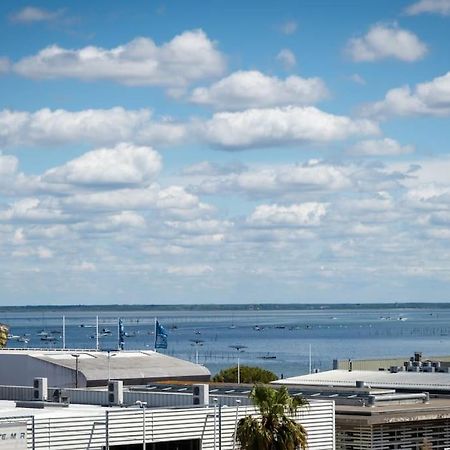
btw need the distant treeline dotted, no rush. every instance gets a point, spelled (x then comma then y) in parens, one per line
(230, 307)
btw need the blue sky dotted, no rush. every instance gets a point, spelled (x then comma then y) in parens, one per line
(224, 151)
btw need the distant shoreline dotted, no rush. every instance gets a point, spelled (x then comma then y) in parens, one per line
(232, 307)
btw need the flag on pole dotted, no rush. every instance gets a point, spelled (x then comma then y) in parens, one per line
(160, 336)
(4, 330)
(121, 335)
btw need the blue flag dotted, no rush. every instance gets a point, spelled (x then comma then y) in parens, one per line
(121, 335)
(160, 336)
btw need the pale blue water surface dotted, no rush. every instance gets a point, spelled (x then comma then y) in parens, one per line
(286, 334)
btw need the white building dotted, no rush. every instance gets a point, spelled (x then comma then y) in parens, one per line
(95, 427)
(70, 368)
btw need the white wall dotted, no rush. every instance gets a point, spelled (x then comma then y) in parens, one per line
(21, 369)
(83, 430)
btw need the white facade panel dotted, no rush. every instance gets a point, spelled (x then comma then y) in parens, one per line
(94, 429)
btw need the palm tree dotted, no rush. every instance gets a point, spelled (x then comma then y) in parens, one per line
(274, 430)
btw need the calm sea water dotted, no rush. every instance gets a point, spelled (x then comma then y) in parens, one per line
(285, 335)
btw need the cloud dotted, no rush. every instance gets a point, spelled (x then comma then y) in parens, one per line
(33, 210)
(289, 27)
(210, 168)
(84, 266)
(121, 166)
(31, 14)
(280, 126)
(386, 41)
(8, 165)
(441, 7)
(299, 215)
(190, 271)
(47, 127)
(5, 65)
(253, 89)
(188, 57)
(358, 79)
(425, 99)
(287, 58)
(381, 147)
(173, 201)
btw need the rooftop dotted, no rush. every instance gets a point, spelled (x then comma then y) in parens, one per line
(126, 365)
(400, 381)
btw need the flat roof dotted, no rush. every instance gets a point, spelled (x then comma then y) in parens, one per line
(97, 365)
(421, 381)
(8, 408)
(435, 409)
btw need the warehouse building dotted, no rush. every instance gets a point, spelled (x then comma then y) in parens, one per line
(416, 363)
(164, 420)
(85, 368)
(383, 410)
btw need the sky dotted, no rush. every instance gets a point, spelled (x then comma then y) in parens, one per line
(220, 151)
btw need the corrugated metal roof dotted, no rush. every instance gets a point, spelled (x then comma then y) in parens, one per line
(377, 379)
(122, 364)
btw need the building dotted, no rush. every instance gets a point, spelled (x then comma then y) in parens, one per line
(436, 383)
(384, 410)
(162, 416)
(85, 368)
(415, 363)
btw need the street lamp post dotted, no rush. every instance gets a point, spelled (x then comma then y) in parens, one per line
(196, 343)
(76, 356)
(144, 437)
(239, 348)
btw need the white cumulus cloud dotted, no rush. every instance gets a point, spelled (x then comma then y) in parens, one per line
(253, 89)
(281, 126)
(188, 57)
(123, 165)
(429, 99)
(386, 41)
(287, 58)
(380, 147)
(297, 215)
(441, 7)
(47, 127)
(30, 14)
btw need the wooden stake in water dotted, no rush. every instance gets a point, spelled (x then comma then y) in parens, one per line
(64, 332)
(310, 360)
(96, 334)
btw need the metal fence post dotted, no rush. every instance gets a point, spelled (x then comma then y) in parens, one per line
(107, 430)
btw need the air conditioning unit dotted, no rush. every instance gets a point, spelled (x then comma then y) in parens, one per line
(40, 389)
(200, 394)
(115, 392)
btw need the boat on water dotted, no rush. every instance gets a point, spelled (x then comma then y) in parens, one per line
(49, 338)
(13, 337)
(267, 356)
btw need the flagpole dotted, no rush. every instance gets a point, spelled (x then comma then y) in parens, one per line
(96, 334)
(118, 334)
(64, 332)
